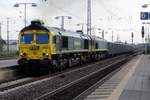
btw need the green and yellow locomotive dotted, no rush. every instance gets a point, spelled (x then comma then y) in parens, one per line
(57, 48)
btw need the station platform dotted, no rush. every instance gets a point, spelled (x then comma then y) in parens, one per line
(8, 63)
(138, 86)
(132, 82)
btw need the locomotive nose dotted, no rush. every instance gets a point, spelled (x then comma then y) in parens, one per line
(37, 52)
(34, 52)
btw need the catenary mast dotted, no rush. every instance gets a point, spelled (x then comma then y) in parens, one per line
(89, 17)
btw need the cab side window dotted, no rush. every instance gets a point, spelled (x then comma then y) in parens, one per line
(96, 45)
(86, 44)
(54, 39)
(64, 42)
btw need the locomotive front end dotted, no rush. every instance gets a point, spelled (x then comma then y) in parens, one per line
(34, 45)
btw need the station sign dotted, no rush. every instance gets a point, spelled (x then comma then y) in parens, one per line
(145, 15)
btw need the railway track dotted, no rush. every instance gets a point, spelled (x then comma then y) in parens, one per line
(22, 79)
(73, 89)
(59, 84)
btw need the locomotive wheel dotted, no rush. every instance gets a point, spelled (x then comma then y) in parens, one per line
(58, 66)
(61, 65)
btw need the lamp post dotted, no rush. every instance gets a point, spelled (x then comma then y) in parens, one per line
(25, 7)
(62, 20)
(82, 26)
(94, 29)
(102, 32)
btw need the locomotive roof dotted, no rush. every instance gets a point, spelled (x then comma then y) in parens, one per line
(35, 25)
(57, 31)
(73, 34)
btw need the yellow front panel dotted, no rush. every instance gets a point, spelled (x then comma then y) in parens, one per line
(34, 50)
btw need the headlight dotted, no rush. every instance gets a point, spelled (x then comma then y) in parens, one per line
(45, 54)
(23, 54)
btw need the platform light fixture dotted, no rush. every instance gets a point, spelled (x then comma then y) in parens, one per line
(62, 20)
(25, 7)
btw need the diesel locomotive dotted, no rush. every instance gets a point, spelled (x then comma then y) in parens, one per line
(57, 48)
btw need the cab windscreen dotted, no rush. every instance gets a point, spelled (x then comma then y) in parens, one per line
(42, 38)
(27, 38)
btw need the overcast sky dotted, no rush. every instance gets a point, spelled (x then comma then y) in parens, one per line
(120, 16)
